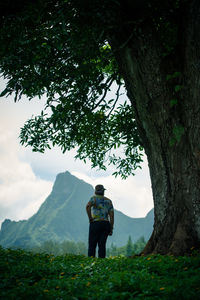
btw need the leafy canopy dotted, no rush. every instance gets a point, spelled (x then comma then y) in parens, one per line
(60, 49)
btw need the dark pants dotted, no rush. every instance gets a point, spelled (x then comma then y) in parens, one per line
(98, 233)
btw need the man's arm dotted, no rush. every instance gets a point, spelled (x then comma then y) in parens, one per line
(111, 215)
(88, 210)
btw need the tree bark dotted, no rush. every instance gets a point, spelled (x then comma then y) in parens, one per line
(167, 111)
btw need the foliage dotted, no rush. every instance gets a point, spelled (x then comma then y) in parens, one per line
(80, 248)
(61, 49)
(42, 276)
(66, 247)
(98, 136)
(129, 249)
(58, 49)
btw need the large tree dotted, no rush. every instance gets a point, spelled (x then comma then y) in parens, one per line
(73, 51)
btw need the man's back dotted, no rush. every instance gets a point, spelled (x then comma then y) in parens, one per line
(100, 207)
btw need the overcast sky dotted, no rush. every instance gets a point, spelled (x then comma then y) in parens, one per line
(26, 178)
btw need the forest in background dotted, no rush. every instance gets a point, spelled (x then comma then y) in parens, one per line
(80, 248)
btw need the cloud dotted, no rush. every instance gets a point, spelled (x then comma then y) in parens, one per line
(53, 161)
(21, 192)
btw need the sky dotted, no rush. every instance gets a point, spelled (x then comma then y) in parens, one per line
(26, 177)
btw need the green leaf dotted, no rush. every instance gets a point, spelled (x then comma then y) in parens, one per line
(178, 88)
(173, 75)
(6, 91)
(178, 132)
(176, 74)
(172, 141)
(168, 77)
(173, 102)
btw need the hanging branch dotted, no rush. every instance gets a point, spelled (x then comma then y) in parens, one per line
(117, 98)
(109, 81)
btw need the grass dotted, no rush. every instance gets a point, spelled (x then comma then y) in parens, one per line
(24, 275)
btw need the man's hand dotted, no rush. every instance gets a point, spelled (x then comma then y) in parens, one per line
(111, 214)
(88, 210)
(111, 230)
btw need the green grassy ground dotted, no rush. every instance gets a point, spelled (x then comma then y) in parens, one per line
(24, 275)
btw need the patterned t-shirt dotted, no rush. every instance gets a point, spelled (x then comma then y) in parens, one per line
(100, 208)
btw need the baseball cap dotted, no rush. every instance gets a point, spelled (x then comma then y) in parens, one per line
(99, 188)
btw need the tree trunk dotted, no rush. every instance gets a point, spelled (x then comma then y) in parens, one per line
(167, 110)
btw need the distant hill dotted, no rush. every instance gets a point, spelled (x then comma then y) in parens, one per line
(62, 216)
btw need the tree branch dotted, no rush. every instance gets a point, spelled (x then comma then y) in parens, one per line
(109, 81)
(117, 98)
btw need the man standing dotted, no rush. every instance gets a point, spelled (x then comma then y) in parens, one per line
(101, 217)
